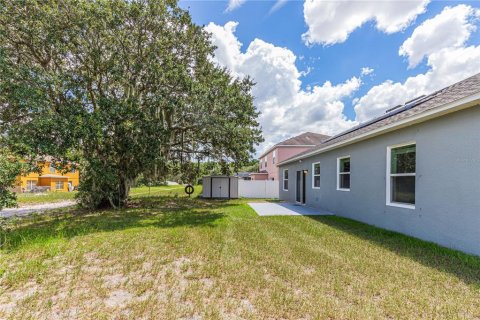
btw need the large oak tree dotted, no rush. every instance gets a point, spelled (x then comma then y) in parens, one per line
(119, 87)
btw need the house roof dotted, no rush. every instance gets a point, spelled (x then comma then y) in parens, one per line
(261, 172)
(306, 139)
(242, 174)
(400, 116)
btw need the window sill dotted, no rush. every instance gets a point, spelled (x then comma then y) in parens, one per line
(315, 187)
(341, 189)
(401, 205)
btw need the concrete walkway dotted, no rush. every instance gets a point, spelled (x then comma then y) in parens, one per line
(285, 209)
(34, 208)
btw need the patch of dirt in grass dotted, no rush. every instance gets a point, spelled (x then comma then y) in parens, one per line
(207, 283)
(144, 297)
(113, 281)
(247, 305)
(147, 266)
(118, 298)
(308, 270)
(9, 301)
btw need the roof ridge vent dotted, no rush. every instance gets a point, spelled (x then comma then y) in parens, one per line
(414, 99)
(394, 108)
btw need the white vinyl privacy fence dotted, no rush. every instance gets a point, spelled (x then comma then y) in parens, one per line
(258, 189)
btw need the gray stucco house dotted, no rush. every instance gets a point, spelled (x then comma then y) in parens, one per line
(414, 170)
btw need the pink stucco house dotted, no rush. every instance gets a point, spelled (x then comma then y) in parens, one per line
(268, 169)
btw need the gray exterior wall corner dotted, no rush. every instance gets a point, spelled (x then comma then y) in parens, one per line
(447, 209)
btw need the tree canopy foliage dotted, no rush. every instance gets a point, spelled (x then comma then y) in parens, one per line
(119, 87)
(10, 168)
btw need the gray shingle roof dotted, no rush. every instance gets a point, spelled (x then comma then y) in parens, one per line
(304, 139)
(441, 97)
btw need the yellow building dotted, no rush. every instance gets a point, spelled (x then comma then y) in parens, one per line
(56, 180)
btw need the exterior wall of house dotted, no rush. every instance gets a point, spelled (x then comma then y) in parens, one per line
(55, 184)
(281, 153)
(34, 177)
(447, 208)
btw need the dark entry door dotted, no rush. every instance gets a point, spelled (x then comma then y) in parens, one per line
(304, 179)
(298, 185)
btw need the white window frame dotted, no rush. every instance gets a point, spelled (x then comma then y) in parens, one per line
(266, 161)
(31, 184)
(388, 176)
(274, 156)
(283, 180)
(52, 168)
(315, 175)
(56, 185)
(338, 173)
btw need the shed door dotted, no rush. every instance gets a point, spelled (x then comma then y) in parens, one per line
(220, 187)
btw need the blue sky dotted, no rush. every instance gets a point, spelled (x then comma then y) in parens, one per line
(366, 46)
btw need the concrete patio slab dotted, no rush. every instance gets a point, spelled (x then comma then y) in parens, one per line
(285, 209)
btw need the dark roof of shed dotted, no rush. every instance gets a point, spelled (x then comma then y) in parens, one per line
(441, 97)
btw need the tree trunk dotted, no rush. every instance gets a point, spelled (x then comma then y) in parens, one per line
(123, 191)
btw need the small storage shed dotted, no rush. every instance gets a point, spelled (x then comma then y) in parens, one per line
(222, 187)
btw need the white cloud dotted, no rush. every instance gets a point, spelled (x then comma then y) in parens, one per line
(306, 72)
(286, 109)
(447, 65)
(449, 29)
(278, 4)
(366, 71)
(331, 22)
(234, 4)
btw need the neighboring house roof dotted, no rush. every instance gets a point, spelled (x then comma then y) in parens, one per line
(242, 174)
(306, 139)
(261, 172)
(45, 159)
(463, 93)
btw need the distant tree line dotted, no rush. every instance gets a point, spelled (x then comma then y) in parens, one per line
(194, 172)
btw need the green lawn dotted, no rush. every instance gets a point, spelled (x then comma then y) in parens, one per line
(30, 198)
(170, 257)
(46, 197)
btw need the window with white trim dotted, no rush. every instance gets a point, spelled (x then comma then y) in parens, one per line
(343, 173)
(52, 168)
(274, 156)
(285, 179)
(401, 168)
(266, 161)
(316, 175)
(31, 184)
(59, 185)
